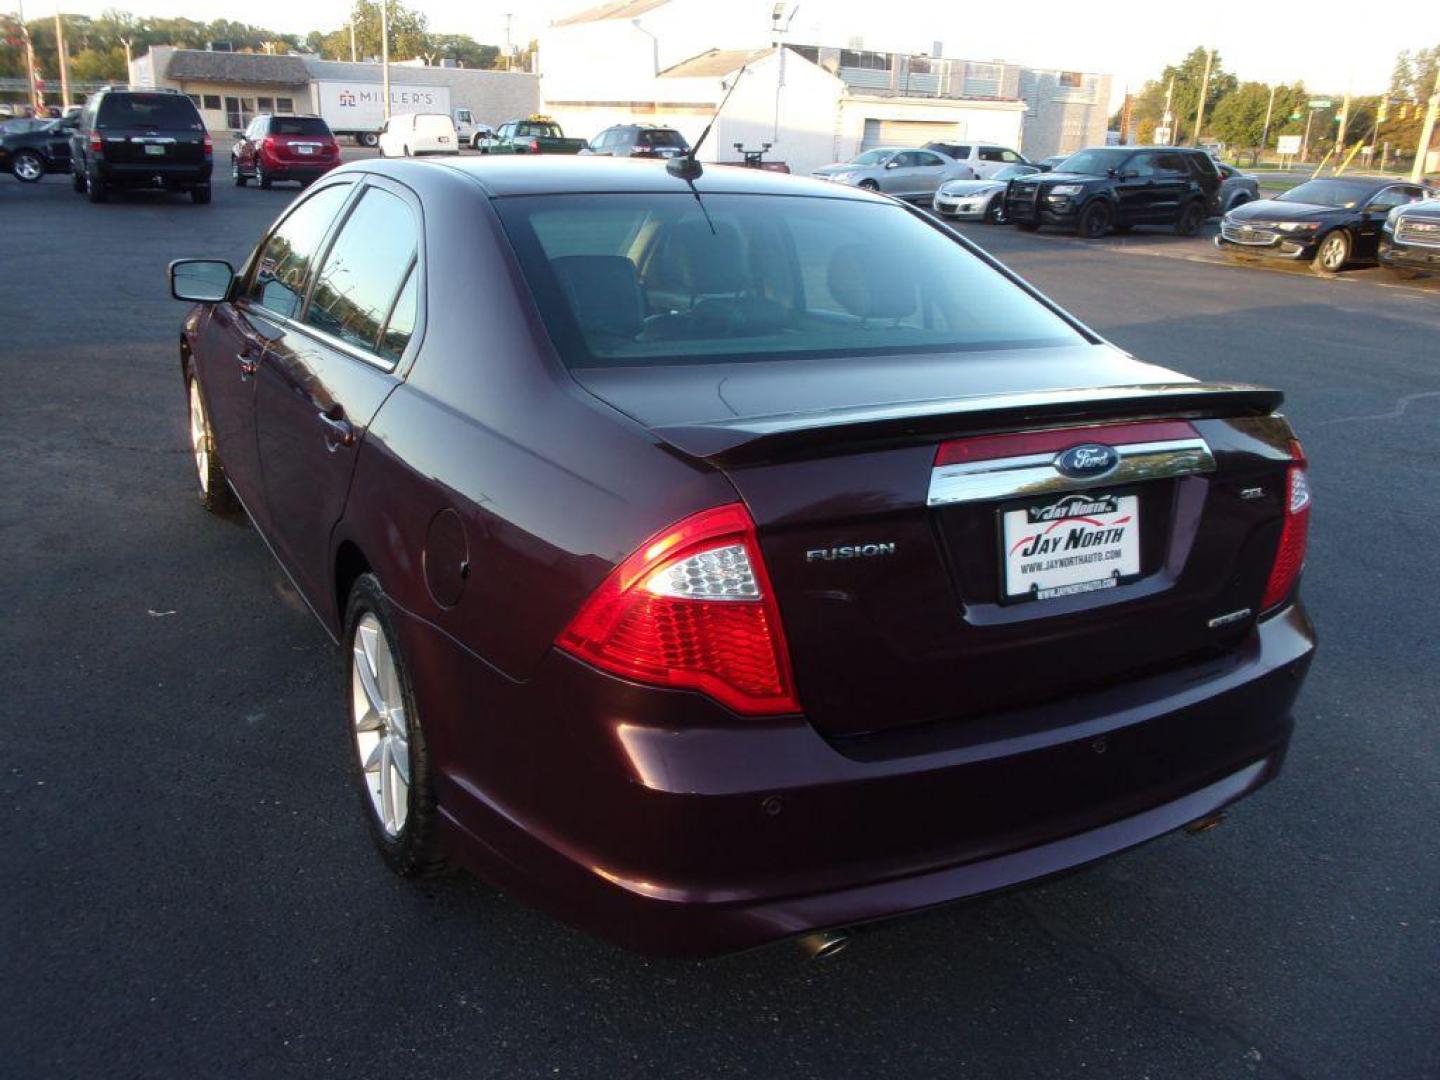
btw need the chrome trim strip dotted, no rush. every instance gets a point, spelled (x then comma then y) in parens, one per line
(1035, 474)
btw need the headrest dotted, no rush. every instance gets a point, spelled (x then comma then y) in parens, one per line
(871, 282)
(604, 293)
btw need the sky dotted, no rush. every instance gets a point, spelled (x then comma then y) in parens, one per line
(1331, 46)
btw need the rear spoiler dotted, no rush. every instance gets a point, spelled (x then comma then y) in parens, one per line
(749, 440)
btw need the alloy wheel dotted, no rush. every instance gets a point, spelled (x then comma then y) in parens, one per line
(199, 436)
(382, 734)
(28, 168)
(1333, 252)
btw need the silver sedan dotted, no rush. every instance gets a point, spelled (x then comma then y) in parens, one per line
(1236, 188)
(978, 199)
(895, 170)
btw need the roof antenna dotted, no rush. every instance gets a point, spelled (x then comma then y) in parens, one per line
(685, 166)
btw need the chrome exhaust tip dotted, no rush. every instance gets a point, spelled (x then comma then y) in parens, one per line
(823, 943)
(1205, 824)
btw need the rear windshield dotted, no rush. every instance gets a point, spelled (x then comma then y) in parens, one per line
(169, 111)
(640, 279)
(544, 131)
(663, 137)
(299, 125)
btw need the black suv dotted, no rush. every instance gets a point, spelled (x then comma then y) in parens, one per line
(1118, 187)
(638, 140)
(135, 139)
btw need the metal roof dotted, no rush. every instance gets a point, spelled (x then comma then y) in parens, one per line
(618, 9)
(714, 62)
(228, 67)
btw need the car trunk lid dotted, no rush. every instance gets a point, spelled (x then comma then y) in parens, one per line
(896, 533)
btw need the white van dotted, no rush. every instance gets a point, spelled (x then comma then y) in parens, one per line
(413, 134)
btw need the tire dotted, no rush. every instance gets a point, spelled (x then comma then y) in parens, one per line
(28, 167)
(386, 739)
(261, 180)
(96, 189)
(995, 210)
(1192, 216)
(1332, 254)
(200, 196)
(868, 185)
(1095, 220)
(215, 493)
(369, 139)
(236, 174)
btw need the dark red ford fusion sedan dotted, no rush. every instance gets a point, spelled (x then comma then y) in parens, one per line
(726, 560)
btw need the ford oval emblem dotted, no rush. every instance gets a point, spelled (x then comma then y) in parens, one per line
(1087, 461)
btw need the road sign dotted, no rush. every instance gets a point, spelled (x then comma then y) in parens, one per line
(1288, 144)
(1162, 136)
(1296, 115)
(1321, 103)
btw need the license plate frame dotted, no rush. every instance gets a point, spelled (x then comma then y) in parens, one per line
(1122, 509)
(155, 149)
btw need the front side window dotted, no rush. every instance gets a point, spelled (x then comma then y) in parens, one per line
(363, 273)
(991, 153)
(642, 279)
(873, 157)
(282, 270)
(1141, 165)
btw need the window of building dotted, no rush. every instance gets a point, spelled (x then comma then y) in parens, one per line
(196, 99)
(364, 271)
(1072, 79)
(212, 101)
(265, 104)
(284, 105)
(873, 61)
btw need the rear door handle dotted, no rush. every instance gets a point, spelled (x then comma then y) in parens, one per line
(248, 364)
(339, 431)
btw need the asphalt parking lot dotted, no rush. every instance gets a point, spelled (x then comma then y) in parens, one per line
(189, 891)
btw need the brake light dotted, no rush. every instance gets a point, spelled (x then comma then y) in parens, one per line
(1290, 555)
(97, 145)
(268, 144)
(534, 146)
(209, 145)
(692, 608)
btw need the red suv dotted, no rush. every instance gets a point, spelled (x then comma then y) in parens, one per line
(283, 148)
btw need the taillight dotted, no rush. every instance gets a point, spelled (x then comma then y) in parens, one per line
(692, 608)
(209, 145)
(97, 145)
(1290, 555)
(534, 146)
(268, 144)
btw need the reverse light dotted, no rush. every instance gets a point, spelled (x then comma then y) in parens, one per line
(1290, 554)
(692, 608)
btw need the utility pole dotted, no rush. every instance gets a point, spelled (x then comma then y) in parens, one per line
(354, 56)
(60, 52)
(385, 53)
(1344, 121)
(1125, 115)
(510, 49)
(128, 59)
(1426, 133)
(1305, 142)
(1265, 133)
(1204, 89)
(29, 54)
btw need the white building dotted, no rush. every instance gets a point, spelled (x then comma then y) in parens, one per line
(658, 62)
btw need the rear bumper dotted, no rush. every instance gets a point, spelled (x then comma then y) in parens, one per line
(291, 170)
(167, 175)
(659, 820)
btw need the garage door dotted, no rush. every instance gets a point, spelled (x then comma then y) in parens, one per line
(909, 132)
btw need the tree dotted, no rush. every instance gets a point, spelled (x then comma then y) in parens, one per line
(1403, 77)
(1239, 118)
(1188, 75)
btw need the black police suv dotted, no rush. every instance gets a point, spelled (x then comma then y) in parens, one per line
(1410, 239)
(134, 139)
(1095, 191)
(32, 151)
(1329, 223)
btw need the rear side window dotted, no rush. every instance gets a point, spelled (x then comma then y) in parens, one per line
(166, 111)
(299, 125)
(640, 279)
(364, 270)
(282, 271)
(991, 153)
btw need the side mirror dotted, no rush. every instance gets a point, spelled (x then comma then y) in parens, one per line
(201, 281)
(892, 164)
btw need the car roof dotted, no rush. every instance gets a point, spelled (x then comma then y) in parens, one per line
(562, 174)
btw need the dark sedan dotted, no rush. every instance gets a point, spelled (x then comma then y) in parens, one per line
(1329, 223)
(41, 147)
(781, 561)
(1410, 239)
